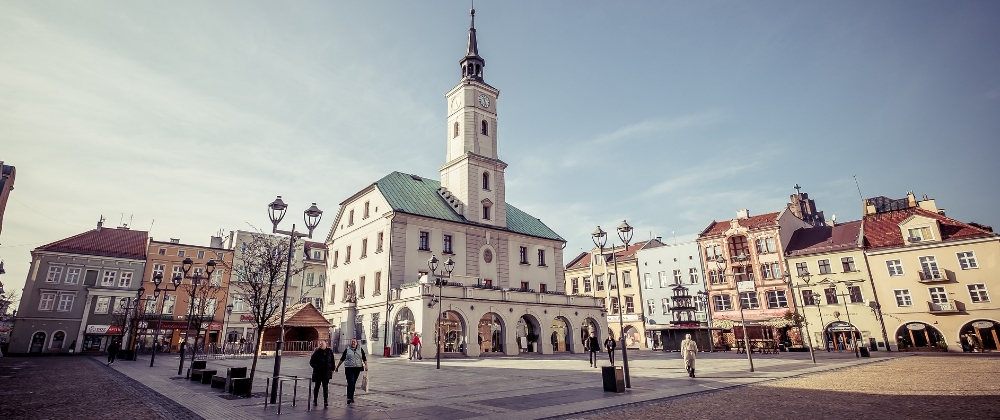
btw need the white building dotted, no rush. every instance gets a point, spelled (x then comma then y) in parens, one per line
(673, 286)
(505, 295)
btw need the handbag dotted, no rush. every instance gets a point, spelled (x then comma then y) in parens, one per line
(364, 382)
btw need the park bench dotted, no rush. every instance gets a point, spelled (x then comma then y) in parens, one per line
(207, 375)
(239, 386)
(194, 372)
(224, 382)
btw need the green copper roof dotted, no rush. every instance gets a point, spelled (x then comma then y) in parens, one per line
(417, 195)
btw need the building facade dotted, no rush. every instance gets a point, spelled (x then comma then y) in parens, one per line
(167, 316)
(593, 274)
(505, 295)
(758, 284)
(72, 298)
(833, 287)
(673, 286)
(933, 275)
(7, 174)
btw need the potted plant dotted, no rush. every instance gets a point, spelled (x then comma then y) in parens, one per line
(943, 345)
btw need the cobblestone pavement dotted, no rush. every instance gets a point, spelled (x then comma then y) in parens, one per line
(77, 387)
(924, 386)
(526, 387)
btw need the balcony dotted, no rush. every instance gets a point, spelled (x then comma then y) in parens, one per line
(927, 276)
(945, 308)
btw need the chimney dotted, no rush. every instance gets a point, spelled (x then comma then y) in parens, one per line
(743, 214)
(175, 240)
(215, 242)
(100, 223)
(659, 239)
(231, 236)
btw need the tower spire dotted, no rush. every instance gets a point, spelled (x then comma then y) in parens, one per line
(472, 63)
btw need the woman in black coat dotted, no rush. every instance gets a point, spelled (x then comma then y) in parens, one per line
(322, 365)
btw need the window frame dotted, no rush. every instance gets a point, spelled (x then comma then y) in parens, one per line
(109, 278)
(54, 274)
(425, 241)
(824, 266)
(446, 244)
(102, 304)
(629, 304)
(47, 301)
(779, 296)
(74, 274)
(938, 294)
(752, 300)
(965, 258)
(541, 258)
(979, 294)
(722, 302)
(895, 268)
(901, 295)
(847, 264)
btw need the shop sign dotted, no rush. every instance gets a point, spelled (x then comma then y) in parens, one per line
(915, 326)
(246, 318)
(744, 286)
(982, 324)
(104, 329)
(626, 318)
(215, 326)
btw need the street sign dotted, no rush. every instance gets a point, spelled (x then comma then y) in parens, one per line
(744, 286)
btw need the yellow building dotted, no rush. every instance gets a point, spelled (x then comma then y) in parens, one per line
(933, 275)
(833, 288)
(590, 274)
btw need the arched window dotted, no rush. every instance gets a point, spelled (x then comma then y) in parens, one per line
(456, 130)
(486, 180)
(486, 212)
(485, 130)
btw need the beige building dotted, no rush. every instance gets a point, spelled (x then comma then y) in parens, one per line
(833, 287)
(505, 295)
(591, 274)
(933, 275)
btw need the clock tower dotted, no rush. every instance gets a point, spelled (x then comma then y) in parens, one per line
(473, 173)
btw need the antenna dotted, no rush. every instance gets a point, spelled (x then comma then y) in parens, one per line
(130, 218)
(151, 225)
(121, 218)
(859, 187)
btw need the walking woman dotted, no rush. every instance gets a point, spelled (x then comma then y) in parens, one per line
(354, 360)
(322, 365)
(689, 348)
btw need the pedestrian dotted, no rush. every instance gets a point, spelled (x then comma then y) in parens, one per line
(415, 350)
(609, 344)
(689, 349)
(112, 350)
(593, 346)
(354, 360)
(322, 364)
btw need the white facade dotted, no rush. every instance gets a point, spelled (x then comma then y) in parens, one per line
(505, 295)
(663, 268)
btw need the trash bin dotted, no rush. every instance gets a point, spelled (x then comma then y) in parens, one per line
(865, 352)
(614, 378)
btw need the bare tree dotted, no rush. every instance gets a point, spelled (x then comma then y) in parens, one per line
(258, 276)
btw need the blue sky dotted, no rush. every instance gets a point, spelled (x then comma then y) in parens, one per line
(196, 114)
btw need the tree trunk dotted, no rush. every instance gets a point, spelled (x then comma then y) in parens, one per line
(256, 354)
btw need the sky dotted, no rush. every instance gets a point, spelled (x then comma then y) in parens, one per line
(185, 118)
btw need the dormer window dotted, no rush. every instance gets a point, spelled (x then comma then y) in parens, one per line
(484, 128)
(486, 181)
(919, 234)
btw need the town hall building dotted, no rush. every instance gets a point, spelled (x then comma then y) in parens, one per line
(505, 295)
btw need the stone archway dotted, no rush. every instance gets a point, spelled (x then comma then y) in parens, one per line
(37, 342)
(632, 336)
(561, 336)
(451, 327)
(980, 335)
(490, 334)
(919, 336)
(528, 332)
(403, 328)
(590, 326)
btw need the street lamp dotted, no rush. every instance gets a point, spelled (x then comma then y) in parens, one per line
(196, 280)
(600, 238)
(805, 277)
(708, 307)
(449, 266)
(743, 260)
(157, 279)
(311, 216)
(229, 311)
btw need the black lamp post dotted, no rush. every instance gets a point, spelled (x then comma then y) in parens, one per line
(743, 260)
(708, 307)
(600, 239)
(311, 216)
(805, 277)
(196, 280)
(157, 279)
(449, 267)
(229, 311)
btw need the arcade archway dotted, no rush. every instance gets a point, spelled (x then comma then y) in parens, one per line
(917, 336)
(491, 334)
(527, 334)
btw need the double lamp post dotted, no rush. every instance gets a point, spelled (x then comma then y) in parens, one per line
(440, 282)
(744, 261)
(196, 280)
(600, 238)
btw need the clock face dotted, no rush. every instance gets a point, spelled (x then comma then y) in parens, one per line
(454, 102)
(484, 101)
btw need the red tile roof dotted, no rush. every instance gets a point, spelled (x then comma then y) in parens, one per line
(824, 239)
(620, 255)
(105, 242)
(582, 260)
(882, 229)
(319, 245)
(753, 222)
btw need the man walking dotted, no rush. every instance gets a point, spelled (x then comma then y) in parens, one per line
(112, 352)
(593, 346)
(415, 350)
(610, 345)
(689, 348)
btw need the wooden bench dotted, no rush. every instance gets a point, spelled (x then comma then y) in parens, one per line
(225, 382)
(196, 367)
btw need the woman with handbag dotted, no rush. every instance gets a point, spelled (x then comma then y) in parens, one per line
(354, 360)
(322, 365)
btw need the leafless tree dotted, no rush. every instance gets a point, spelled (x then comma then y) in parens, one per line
(206, 297)
(258, 277)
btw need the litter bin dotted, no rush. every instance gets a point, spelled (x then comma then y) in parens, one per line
(865, 352)
(614, 378)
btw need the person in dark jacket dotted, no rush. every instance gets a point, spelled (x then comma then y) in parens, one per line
(594, 346)
(322, 365)
(610, 345)
(112, 350)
